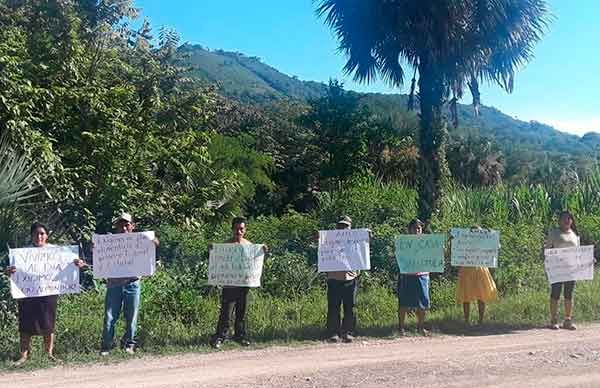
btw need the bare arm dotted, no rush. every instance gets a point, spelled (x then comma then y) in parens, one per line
(10, 270)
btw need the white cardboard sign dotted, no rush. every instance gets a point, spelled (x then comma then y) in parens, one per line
(566, 264)
(235, 265)
(344, 250)
(124, 255)
(44, 271)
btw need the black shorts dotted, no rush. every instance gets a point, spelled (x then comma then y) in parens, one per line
(557, 288)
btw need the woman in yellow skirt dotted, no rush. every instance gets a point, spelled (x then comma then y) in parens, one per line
(475, 284)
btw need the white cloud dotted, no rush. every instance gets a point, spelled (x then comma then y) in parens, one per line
(576, 126)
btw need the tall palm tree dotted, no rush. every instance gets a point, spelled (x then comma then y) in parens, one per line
(451, 43)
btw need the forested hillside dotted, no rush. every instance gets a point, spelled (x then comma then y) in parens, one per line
(247, 78)
(532, 144)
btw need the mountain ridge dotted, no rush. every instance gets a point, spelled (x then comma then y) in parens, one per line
(249, 80)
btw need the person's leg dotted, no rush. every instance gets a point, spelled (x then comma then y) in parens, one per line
(554, 297)
(227, 303)
(25, 348)
(49, 346)
(349, 301)
(402, 311)
(112, 310)
(481, 307)
(569, 287)
(420, 313)
(131, 308)
(424, 303)
(241, 307)
(334, 301)
(466, 311)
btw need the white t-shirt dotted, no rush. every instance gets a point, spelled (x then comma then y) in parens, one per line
(558, 239)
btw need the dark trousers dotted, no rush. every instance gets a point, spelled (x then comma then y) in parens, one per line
(341, 292)
(233, 297)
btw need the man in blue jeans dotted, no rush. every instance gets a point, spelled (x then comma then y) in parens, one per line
(121, 293)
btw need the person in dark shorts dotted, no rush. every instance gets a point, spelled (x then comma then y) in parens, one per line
(564, 236)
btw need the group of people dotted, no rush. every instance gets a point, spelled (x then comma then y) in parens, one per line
(37, 315)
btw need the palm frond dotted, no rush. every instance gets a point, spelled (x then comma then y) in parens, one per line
(17, 178)
(467, 40)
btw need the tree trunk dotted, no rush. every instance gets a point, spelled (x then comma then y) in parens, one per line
(474, 87)
(432, 141)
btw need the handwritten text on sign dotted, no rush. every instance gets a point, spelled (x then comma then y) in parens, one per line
(474, 247)
(44, 271)
(566, 264)
(420, 253)
(235, 265)
(124, 255)
(344, 250)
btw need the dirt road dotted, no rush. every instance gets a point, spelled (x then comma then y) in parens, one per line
(533, 358)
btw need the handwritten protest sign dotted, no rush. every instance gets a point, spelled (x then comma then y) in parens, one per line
(420, 253)
(235, 265)
(124, 255)
(566, 264)
(344, 250)
(44, 271)
(474, 247)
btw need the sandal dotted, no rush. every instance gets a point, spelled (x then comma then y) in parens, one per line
(569, 325)
(19, 362)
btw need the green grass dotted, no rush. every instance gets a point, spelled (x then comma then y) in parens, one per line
(276, 321)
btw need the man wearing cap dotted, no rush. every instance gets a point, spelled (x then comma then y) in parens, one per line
(341, 289)
(121, 293)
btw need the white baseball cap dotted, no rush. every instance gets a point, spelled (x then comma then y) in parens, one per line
(124, 217)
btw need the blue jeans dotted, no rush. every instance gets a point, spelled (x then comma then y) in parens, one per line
(128, 297)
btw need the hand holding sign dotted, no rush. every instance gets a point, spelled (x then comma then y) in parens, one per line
(474, 247)
(43, 271)
(566, 264)
(124, 255)
(344, 250)
(235, 265)
(420, 253)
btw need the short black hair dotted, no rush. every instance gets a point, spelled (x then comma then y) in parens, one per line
(37, 225)
(414, 222)
(237, 221)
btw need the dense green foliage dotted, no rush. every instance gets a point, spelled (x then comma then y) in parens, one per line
(107, 118)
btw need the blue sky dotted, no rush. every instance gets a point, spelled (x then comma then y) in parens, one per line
(561, 86)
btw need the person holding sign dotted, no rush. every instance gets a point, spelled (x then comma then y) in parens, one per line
(475, 284)
(565, 236)
(413, 290)
(341, 290)
(234, 297)
(121, 293)
(37, 315)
